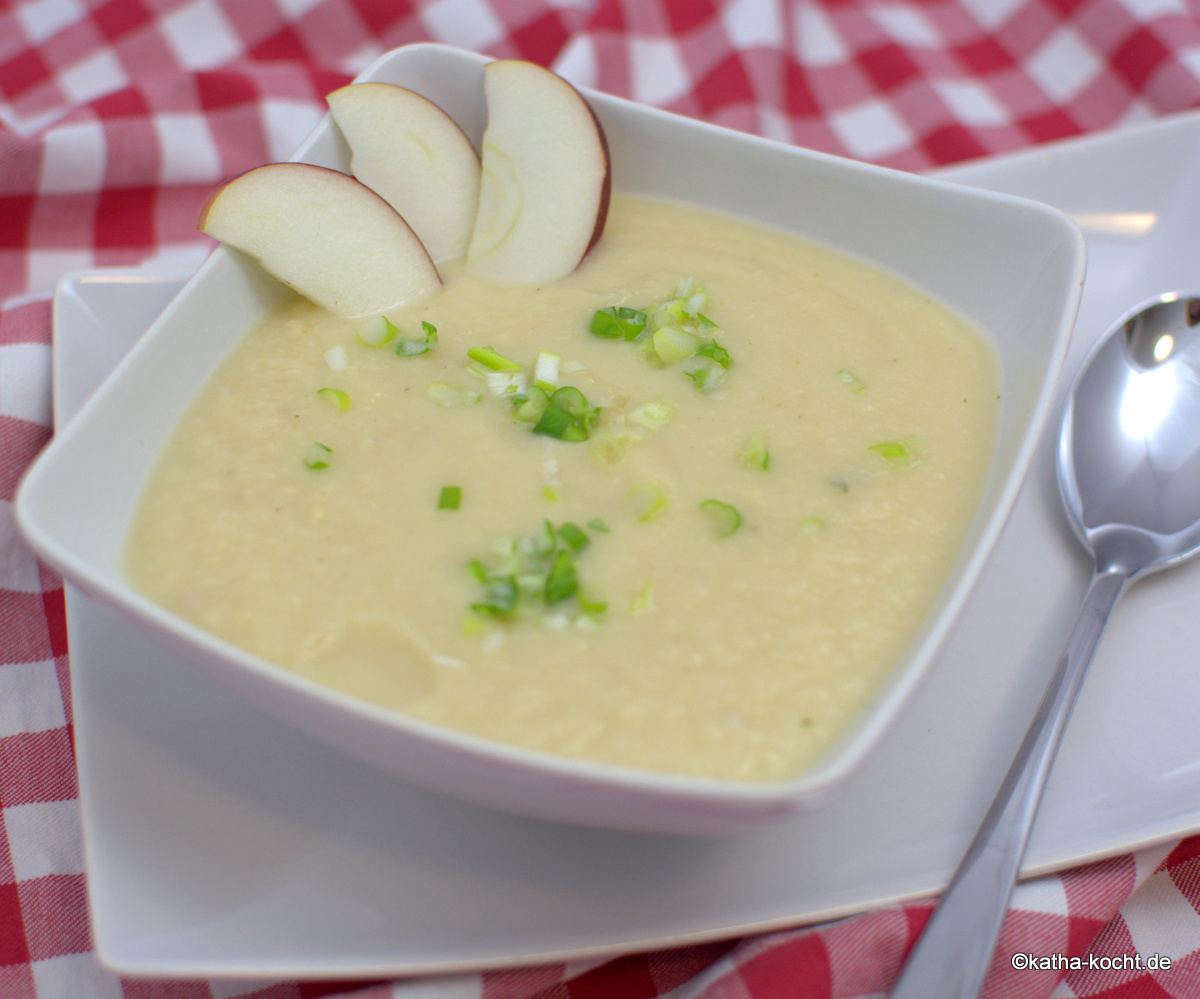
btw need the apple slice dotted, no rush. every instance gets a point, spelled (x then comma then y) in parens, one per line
(413, 155)
(325, 234)
(544, 191)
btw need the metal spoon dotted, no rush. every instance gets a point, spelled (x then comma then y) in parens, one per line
(1129, 473)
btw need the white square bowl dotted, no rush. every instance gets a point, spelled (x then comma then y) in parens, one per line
(1012, 266)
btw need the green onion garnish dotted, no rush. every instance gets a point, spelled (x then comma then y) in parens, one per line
(811, 525)
(755, 454)
(567, 416)
(643, 600)
(492, 359)
(651, 499)
(839, 483)
(504, 378)
(318, 456)
(545, 369)
(618, 323)
(609, 445)
(667, 333)
(653, 415)
(451, 395)
(573, 536)
(707, 379)
(335, 357)
(450, 498)
(502, 595)
(712, 349)
(335, 396)
(901, 454)
(530, 408)
(593, 608)
(596, 524)
(534, 574)
(561, 583)
(672, 344)
(726, 518)
(849, 378)
(408, 347)
(376, 332)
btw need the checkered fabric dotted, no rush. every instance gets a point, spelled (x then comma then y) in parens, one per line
(118, 116)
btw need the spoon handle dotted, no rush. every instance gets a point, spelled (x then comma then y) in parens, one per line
(951, 958)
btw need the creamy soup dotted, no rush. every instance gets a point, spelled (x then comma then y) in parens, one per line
(753, 533)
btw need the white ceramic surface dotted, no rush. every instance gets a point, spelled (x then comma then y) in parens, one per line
(221, 842)
(1013, 266)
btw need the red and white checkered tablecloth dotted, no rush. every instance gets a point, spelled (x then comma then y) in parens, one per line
(118, 116)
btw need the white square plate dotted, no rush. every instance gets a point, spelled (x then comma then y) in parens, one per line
(221, 842)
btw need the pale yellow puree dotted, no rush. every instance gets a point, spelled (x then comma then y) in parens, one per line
(735, 657)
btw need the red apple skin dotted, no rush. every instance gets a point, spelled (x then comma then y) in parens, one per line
(414, 155)
(313, 224)
(531, 94)
(606, 189)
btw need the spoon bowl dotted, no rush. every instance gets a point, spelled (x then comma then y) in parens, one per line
(1129, 451)
(1129, 475)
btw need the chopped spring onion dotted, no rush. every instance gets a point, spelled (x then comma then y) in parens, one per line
(407, 347)
(653, 415)
(335, 396)
(651, 499)
(535, 575)
(901, 454)
(317, 456)
(848, 377)
(811, 525)
(531, 408)
(492, 359)
(574, 537)
(567, 416)
(712, 349)
(502, 593)
(550, 494)
(609, 445)
(755, 454)
(561, 582)
(839, 483)
(335, 357)
(545, 370)
(451, 395)
(593, 609)
(667, 333)
(673, 344)
(707, 378)
(376, 332)
(502, 384)
(726, 518)
(450, 498)
(596, 524)
(643, 600)
(619, 323)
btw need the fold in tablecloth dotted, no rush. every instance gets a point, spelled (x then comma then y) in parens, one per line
(118, 117)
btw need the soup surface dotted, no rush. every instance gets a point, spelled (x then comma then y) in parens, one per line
(762, 541)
